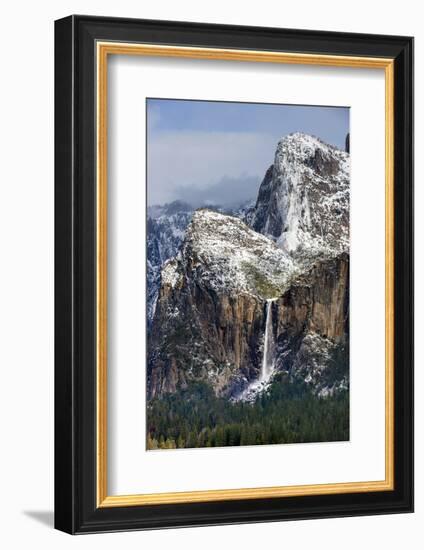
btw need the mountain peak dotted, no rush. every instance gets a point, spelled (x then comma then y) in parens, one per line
(305, 195)
(301, 150)
(304, 141)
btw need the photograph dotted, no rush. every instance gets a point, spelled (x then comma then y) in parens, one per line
(233, 267)
(247, 273)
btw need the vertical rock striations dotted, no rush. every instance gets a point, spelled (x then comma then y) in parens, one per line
(303, 201)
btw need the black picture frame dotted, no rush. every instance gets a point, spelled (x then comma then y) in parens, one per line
(76, 510)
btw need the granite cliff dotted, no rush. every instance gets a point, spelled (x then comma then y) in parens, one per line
(246, 298)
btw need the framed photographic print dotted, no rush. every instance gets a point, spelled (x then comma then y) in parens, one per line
(234, 269)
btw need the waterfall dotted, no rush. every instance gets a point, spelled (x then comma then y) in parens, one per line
(258, 385)
(268, 357)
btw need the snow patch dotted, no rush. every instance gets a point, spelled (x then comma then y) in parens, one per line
(170, 275)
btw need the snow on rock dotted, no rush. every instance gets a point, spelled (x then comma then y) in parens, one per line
(303, 202)
(166, 227)
(234, 258)
(169, 274)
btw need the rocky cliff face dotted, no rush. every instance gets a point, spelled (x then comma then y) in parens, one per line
(303, 201)
(210, 316)
(166, 227)
(211, 327)
(312, 325)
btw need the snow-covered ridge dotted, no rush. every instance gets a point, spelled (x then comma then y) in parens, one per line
(230, 256)
(303, 202)
(305, 144)
(166, 227)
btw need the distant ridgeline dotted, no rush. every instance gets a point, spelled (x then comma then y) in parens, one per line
(248, 310)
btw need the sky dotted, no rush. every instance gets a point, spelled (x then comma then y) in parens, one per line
(212, 152)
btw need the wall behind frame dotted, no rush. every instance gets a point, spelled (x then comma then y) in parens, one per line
(26, 276)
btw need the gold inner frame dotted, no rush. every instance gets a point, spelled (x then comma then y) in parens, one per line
(103, 50)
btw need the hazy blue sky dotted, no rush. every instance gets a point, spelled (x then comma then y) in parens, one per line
(218, 152)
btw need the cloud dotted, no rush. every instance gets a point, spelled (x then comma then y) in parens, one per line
(229, 191)
(203, 166)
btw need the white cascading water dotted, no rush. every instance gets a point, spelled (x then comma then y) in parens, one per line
(267, 368)
(268, 358)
